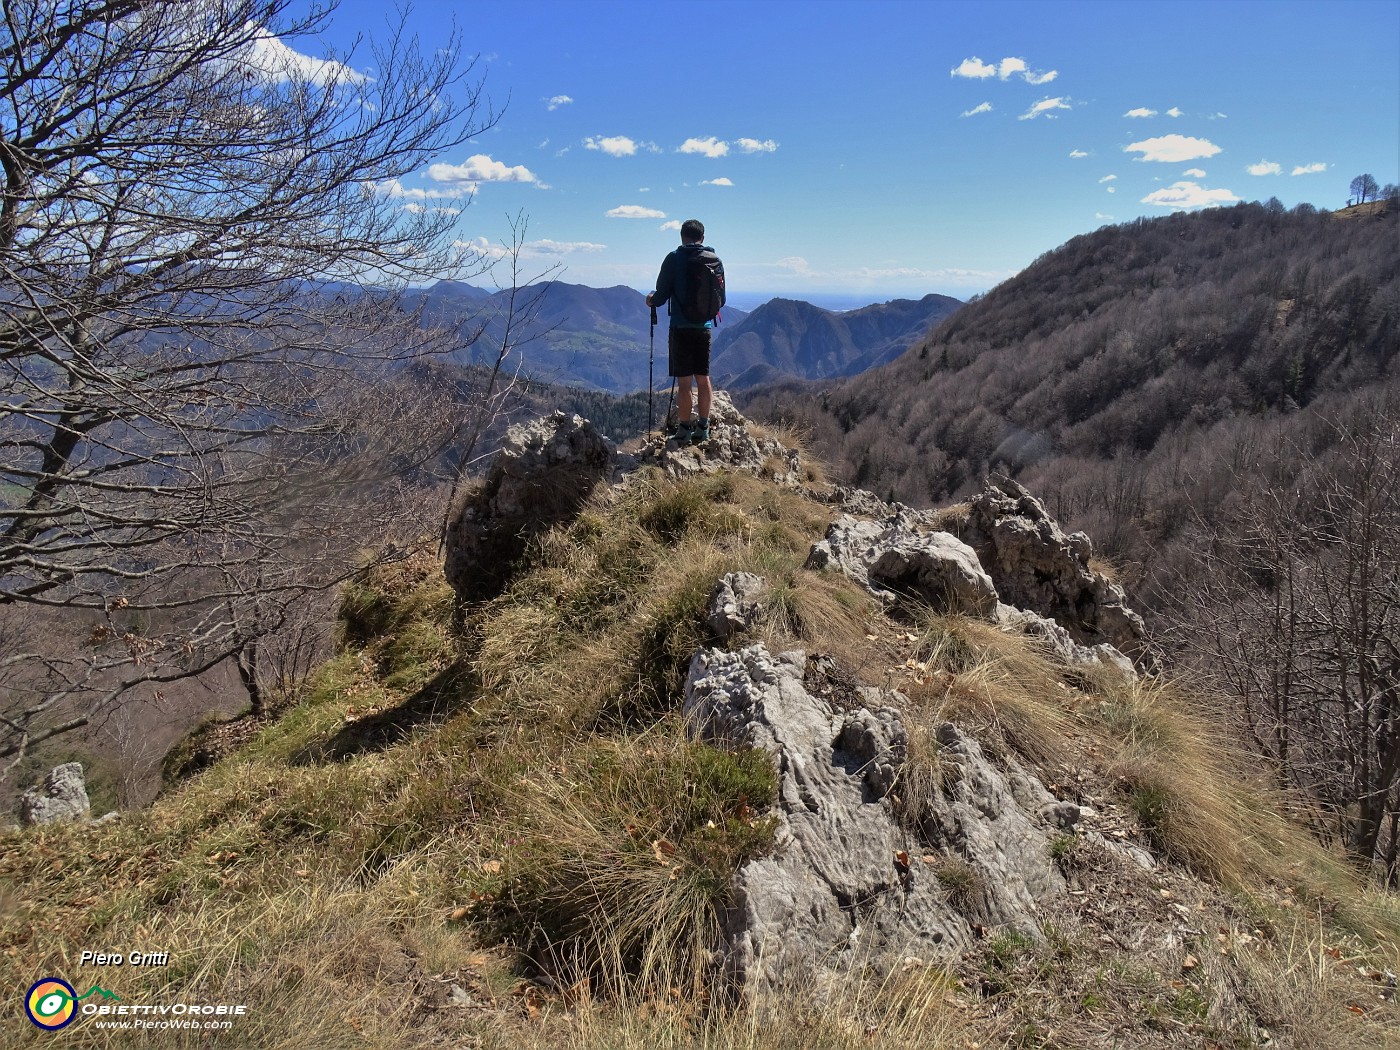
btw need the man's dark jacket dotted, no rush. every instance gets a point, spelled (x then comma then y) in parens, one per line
(670, 284)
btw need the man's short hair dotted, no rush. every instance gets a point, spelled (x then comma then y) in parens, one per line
(692, 230)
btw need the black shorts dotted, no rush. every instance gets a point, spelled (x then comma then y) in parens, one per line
(689, 352)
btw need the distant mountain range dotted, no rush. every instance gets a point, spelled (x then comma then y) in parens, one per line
(788, 338)
(599, 338)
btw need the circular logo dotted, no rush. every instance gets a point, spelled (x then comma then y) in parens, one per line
(51, 1003)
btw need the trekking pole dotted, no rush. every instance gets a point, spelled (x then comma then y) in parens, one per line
(651, 369)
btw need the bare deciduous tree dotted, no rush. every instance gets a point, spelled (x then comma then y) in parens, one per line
(196, 389)
(1301, 620)
(1364, 188)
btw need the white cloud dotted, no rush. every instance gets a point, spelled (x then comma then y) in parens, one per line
(480, 168)
(716, 182)
(973, 69)
(1112, 189)
(1108, 178)
(1102, 217)
(267, 54)
(1173, 148)
(985, 107)
(1217, 116)
(613, 145)
(976, 69)
(555, 101)
(673, 224)
(1045, 107)
(549, 247)
(1141, 112)
(1077, 153)
(395, 189)
(1183, 195)
(710, 147)
(757, 145)
(1195, 173)
(796, 264)
(635, 211)
(1309, 169)
(1008, 66)
(1265, 167)
(530, 249)
(1174, 112)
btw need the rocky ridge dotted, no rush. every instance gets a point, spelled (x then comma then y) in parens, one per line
(860, 875)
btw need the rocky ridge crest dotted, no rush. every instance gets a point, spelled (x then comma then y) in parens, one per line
(860, 876)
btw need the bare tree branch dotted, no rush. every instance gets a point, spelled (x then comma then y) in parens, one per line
(202, 344)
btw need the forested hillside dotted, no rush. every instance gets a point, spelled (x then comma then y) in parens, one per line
(1118, 340)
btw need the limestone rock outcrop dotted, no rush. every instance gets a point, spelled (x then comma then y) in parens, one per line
(894, 558)
(545, 471)
(62, 796)
(1037, 567)
(1060, 642)
(734, 604)
(732, 446)
(848, 883)
(1010, 564)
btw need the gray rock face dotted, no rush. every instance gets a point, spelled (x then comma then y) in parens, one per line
(848, 884)
(903, 554)
(734, 604)
(1038, 568)
(732, 446)
(849, 547)
(894, 558)
(543, 474)
(63, 796)
(986, 817)
(858, 501)
(1059, 641)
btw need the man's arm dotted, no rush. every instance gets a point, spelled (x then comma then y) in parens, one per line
(665, 281)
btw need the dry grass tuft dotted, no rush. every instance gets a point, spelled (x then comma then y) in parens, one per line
(1000, 686)
(1183, 780)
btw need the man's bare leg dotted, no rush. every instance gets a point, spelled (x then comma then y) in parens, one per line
(683, 397)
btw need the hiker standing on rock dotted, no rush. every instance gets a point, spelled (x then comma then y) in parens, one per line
(692, 281)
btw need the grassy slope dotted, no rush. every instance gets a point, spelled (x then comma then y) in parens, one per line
(501, 837)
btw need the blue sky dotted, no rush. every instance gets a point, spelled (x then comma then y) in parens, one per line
(882, 149)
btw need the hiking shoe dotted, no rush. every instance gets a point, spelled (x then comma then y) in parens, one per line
(683, 431)
(700, 432)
